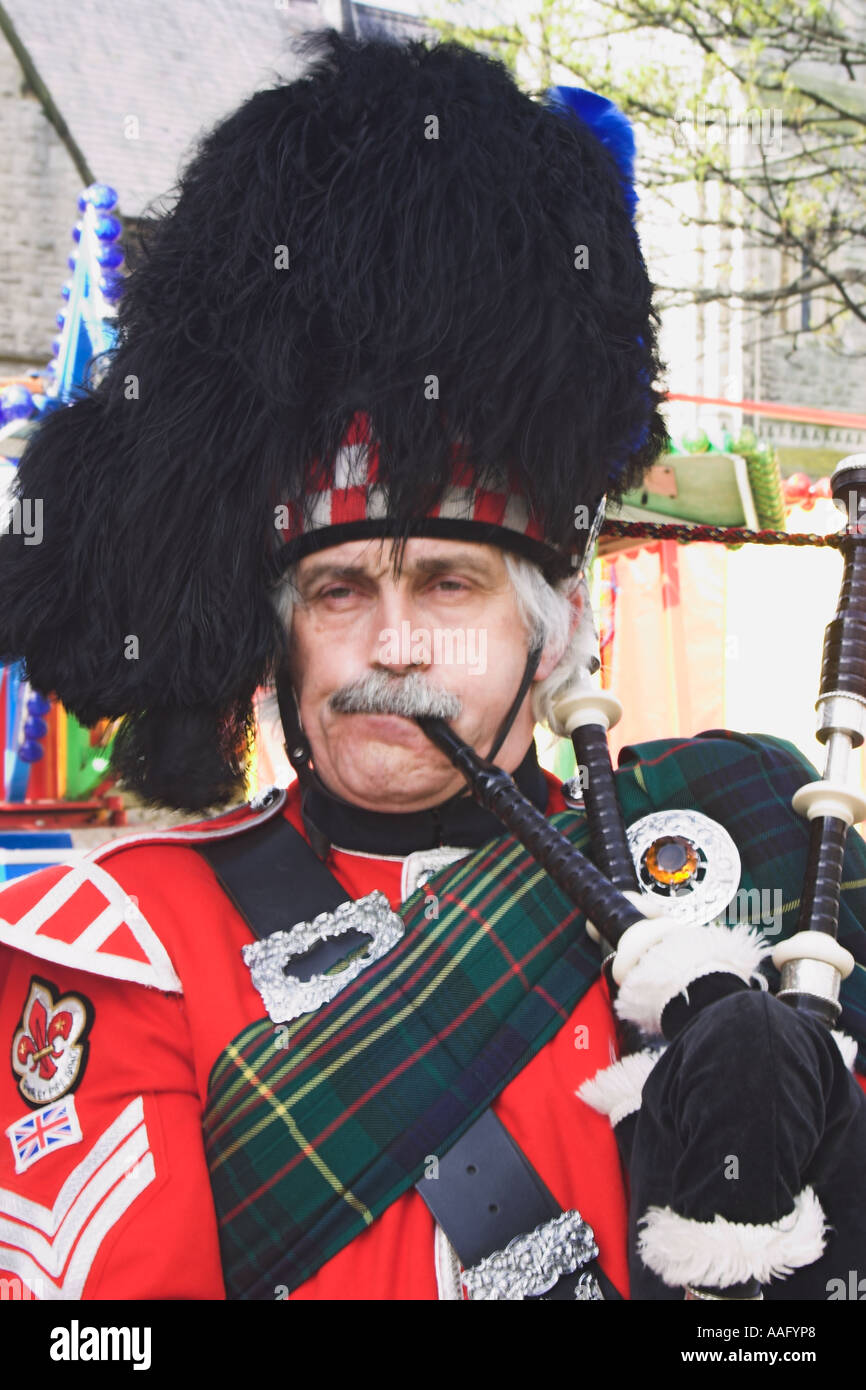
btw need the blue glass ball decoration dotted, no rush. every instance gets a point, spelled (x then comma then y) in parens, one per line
(55, 346)
(37, 704)
(35, 728)
(82, 203)
(107, 228)
(109, 255)
(77, 230)
(65, 289)
(31, 752)
(60, 318)
(16, 403)
(100, 195)
(72, 261)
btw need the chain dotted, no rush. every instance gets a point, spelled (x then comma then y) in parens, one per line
(725, 535)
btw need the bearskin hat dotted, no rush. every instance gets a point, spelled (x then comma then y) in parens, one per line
(396, 233)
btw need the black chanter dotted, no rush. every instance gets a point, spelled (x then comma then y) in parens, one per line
(572, 871)
(746, 1141)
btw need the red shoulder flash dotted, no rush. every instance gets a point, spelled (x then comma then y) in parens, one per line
(79, 915)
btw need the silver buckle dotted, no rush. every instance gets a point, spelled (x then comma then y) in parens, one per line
(531, 1264)
(285, 996)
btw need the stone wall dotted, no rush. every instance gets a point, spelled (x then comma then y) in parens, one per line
(41, 186)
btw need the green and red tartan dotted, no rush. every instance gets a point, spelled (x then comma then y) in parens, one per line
(308, 1144)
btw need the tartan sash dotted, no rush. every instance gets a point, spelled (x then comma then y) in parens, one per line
(314, 1128)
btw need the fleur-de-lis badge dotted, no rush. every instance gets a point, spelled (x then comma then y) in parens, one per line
(49, 1049)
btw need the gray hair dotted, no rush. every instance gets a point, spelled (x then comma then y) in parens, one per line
(546, 610)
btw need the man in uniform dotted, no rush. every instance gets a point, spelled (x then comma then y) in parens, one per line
(373, 377)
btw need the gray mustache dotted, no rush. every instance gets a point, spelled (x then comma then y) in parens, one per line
(410, 696)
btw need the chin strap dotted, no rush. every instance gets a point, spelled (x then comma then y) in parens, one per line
(300, 754)
(502, 732)
(297, 748)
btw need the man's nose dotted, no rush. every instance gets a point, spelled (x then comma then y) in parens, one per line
(396, 643)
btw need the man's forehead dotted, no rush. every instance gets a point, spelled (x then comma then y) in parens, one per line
(377, 556)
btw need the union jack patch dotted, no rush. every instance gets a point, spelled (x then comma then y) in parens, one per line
(43, 1131)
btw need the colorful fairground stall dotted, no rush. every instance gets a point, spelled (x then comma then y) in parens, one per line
(713, 588)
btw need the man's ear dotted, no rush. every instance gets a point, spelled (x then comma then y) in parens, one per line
(552, 653)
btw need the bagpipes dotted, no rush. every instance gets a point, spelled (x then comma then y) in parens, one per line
(741, 1127)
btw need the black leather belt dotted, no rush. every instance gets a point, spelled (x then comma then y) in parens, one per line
(487, 1193)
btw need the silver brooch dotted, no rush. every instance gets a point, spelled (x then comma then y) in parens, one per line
(688, 860)
(530, 1265)
(285, 996)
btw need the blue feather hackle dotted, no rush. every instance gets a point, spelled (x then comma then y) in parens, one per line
(613, 128)
(611, 125)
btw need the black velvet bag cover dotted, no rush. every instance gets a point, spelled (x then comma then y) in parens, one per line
(751, 1104)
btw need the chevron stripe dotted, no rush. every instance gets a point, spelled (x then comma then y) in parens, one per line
(52, 1249)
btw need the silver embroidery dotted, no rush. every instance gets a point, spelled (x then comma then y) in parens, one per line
(531, 1264)
(285, 996)
(448, 1270)
(587, 1288)
(421, 863)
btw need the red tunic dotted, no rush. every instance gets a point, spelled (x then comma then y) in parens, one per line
(126, 976)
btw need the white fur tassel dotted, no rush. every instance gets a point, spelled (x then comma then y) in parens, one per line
(616, 1091)
(668, 968)
(718, 1253)
(847, 1046)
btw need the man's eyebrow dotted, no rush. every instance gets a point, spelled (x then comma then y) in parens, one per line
(463, 560)
(426, 565)
(325, 569)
